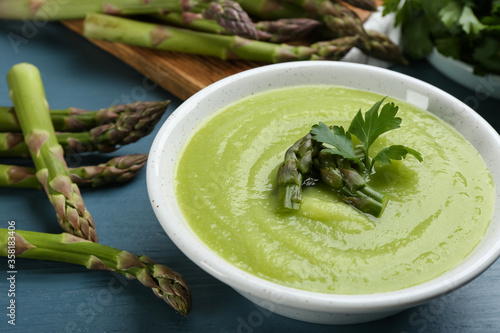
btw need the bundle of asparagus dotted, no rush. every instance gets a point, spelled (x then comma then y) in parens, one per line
(329, 154)
(32, 134)
(242, 29)
(305, 157)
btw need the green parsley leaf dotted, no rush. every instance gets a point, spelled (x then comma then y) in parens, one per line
(337, 138)
(369, 128)
(495, 7)
(340, 165)
(390, 6)
(469, 22)
(487, 55)
(449, 46)
(396, 152)
(450, 14)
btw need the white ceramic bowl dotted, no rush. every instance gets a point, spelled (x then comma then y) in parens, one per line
(299, 304)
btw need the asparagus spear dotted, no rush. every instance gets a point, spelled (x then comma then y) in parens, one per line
(190, 20)
(217, 16)
(224, 12)
(53, 10)
(167, 284)
(297, 163)
(312, 4)
(13, 145)
(118, 169)
(104, 138)
(75, 119)
(349, 184)
(27, 94)
(200, 22)
(362, 4)
(230, 16)
(345, 177)
(150, 35)
(271, 9)
(276, 31)
(285, 30)
(340, 20)
(381, 47)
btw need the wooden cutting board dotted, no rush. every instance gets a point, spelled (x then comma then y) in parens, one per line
(179, 73)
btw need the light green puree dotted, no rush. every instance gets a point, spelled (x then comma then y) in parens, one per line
(438, 210)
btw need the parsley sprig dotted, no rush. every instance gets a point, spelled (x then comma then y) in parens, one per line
(367, 129)
(331, 153)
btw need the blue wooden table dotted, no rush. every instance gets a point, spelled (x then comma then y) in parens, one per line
(58, 297)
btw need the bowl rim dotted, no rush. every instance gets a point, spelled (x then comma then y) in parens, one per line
(187, 241)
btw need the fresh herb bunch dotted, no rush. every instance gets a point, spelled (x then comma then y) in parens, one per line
(465, 30)
(341, 164)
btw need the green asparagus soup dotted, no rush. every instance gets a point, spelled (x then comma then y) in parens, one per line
(438, 209)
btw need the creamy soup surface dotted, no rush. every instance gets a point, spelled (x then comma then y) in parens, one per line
(438, 209)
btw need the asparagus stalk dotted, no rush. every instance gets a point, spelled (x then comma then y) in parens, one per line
(27, 94)
(381, 47)
(190, 20)
(104, 138)
(200, 22)
(297, 163)
(118, 169)
(53, 10)
(13, 145)
(230, 16)
(364, 202)
(305, 157)
(75, 119)
(340, 20)
(150, 35)
(271, 9)
(108, 137)
(226, 13)
(349, 184)
(286, 30)
(361, 4)
(276, 31)
(166, 284)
